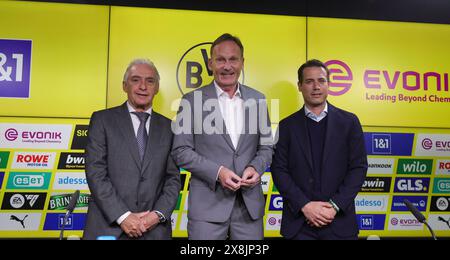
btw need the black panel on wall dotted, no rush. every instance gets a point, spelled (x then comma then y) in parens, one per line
(428, 11)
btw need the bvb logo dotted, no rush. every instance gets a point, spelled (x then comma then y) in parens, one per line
(193, 71)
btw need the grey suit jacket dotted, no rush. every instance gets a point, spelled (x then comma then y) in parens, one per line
(117, 179)
(203, 153)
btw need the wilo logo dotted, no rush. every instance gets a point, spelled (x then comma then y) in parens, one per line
(192, 69)
(24, 160)
(341, 77)
(24, 180)
(414, 166)
(4, 156)
(15, 68)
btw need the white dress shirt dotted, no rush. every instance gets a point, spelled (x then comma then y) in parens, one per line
(232, 110)
(315, 117)
(136, 122)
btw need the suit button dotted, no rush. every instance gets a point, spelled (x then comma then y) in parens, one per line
(142, 179)
(311, 180)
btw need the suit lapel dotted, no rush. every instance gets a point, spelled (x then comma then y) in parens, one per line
(153, 139)
(210, 93)
(301, 132)
(126, 126)
(247, 119)
(329, 136)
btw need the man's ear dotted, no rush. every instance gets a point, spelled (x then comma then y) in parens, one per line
(210, 64)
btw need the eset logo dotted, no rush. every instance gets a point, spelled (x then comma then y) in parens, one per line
(341, 77)
(11, 134)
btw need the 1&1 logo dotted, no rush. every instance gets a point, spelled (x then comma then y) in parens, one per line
(192, 69)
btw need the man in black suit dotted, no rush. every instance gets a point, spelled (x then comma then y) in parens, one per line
(319, 164)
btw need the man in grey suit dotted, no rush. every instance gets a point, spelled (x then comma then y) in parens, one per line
(133, 179)
(226, 146)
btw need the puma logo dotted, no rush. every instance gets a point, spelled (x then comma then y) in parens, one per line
(445, 221)
(21, 221)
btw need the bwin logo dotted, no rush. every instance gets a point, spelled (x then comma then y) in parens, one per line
(192, 69)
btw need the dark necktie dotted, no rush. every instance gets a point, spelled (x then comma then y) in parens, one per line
(142, 132)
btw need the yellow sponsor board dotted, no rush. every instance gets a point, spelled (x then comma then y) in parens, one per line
(68, 57)
(178, 42)
(388, 73)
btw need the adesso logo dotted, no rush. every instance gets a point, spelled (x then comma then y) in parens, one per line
(376, 203)
(15, 68)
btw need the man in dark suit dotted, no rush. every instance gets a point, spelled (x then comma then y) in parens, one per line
(319, 164)
(134, 182)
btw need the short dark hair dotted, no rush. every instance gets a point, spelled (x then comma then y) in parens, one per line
(227, 37)
(311, 63)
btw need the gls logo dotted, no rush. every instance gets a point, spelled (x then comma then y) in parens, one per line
(276, 203)
(192, 69)
(413, 185)
(15, 64)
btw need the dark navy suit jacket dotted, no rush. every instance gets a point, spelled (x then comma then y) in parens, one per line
(344, 167)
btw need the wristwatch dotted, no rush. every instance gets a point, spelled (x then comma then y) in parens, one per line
(161, 217)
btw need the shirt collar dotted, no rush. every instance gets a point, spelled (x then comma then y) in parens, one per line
(131, 109)
(315, 117)
(220, 92)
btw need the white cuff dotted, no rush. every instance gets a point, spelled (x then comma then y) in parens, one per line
(123, 217)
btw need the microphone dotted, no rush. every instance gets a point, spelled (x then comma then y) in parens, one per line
(419, 216)
(69, 208)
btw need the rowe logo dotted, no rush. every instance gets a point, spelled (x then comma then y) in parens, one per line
(24, 160)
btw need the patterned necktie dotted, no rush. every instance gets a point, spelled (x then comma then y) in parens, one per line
(142, 132)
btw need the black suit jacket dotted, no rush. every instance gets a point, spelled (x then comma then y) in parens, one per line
(344, 167)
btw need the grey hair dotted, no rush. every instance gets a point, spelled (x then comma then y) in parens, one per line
(137, 62)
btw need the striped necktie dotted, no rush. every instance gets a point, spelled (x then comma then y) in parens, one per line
(142, 135)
